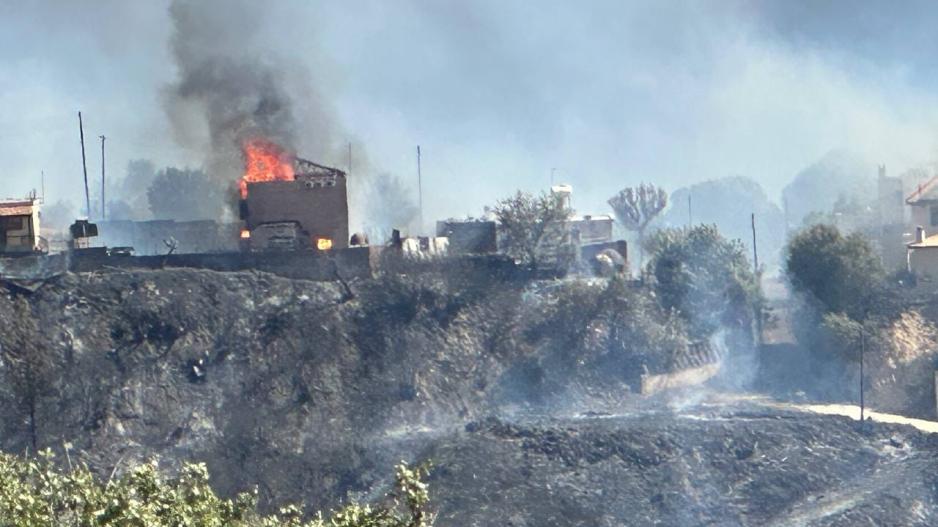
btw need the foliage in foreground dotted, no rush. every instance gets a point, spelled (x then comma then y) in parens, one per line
(34, 493)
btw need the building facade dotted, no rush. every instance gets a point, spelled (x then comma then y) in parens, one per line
(19, 226)
(311, 211)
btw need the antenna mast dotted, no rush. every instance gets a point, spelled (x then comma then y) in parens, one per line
(84, 166)
(103, 212)
(419, 189)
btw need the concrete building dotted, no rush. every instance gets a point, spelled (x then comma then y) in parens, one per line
(890, 202)
(19, 226)
(469, 236)
(587, 230)
(922, 255)
(311, 211)
(923, 204)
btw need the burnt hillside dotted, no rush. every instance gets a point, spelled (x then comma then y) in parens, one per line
(313, 394)
(289, 384)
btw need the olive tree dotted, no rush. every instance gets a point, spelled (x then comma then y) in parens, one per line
(534, 229)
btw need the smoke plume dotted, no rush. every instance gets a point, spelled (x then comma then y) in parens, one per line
(226, 91)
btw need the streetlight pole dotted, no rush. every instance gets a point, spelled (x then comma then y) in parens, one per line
(862, 353)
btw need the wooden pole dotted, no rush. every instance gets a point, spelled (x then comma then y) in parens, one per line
(755, 250)
(690, 212)
(862, 353)
(103, 202)
(758, 276)
(419, 191)
(84, 166)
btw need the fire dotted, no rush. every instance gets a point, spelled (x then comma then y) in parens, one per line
(265, 161)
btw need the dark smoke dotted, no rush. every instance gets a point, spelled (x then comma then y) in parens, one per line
(229, 88)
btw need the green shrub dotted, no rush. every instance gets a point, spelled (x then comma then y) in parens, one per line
(35, 493)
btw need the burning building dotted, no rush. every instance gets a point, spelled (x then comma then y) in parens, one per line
(290, 203)
(19, 226)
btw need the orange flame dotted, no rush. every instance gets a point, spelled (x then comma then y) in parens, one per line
(265, 161)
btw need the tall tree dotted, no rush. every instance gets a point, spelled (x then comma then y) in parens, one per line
(705, 278)
(837, 273)
(534, 228)
(635, 207)
(185, 194)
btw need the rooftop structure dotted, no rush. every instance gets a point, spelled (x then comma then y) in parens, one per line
(19, 226)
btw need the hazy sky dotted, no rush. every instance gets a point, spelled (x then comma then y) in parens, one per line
(497, 92)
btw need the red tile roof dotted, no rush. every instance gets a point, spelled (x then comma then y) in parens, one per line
(16, 208)
(924, 191)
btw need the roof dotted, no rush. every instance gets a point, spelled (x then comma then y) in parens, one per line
(593, 217)
(925, 192)
(929, 242)
(306, 167)
(16, 208)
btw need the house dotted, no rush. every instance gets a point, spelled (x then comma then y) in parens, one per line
(469, 236)
(19, 226)
(923, 203)
(922, 255)
(587, 230)
(308, 211)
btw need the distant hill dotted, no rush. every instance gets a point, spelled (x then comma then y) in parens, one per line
(837, 174)
(729, 203)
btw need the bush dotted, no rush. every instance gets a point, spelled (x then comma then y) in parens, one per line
(837, 273)
(705, 278)
(34, 493)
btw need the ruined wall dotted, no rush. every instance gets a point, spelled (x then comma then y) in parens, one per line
(351, 262)
(924, 262)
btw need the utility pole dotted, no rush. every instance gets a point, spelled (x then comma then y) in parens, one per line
(350, 158)
(103, 212)
(419, 190)
(785, 207)
(84, 166)
(755, 250)
(862, 353)
(552, 170)
(690, 212)
(758, 274)
(42, 180)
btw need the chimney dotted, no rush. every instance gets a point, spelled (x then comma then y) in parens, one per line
(919, 234)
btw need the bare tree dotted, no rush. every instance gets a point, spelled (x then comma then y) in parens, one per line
(27, 367)
(635, 207)
(534, 228)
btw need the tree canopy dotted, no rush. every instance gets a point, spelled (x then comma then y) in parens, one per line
(35, 493)
(704, 277)
(184, 194)
(534, 229)
(837, 273)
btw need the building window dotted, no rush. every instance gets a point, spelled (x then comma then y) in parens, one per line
(933, 210)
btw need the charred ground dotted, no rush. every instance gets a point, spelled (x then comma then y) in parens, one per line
(294, 386)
